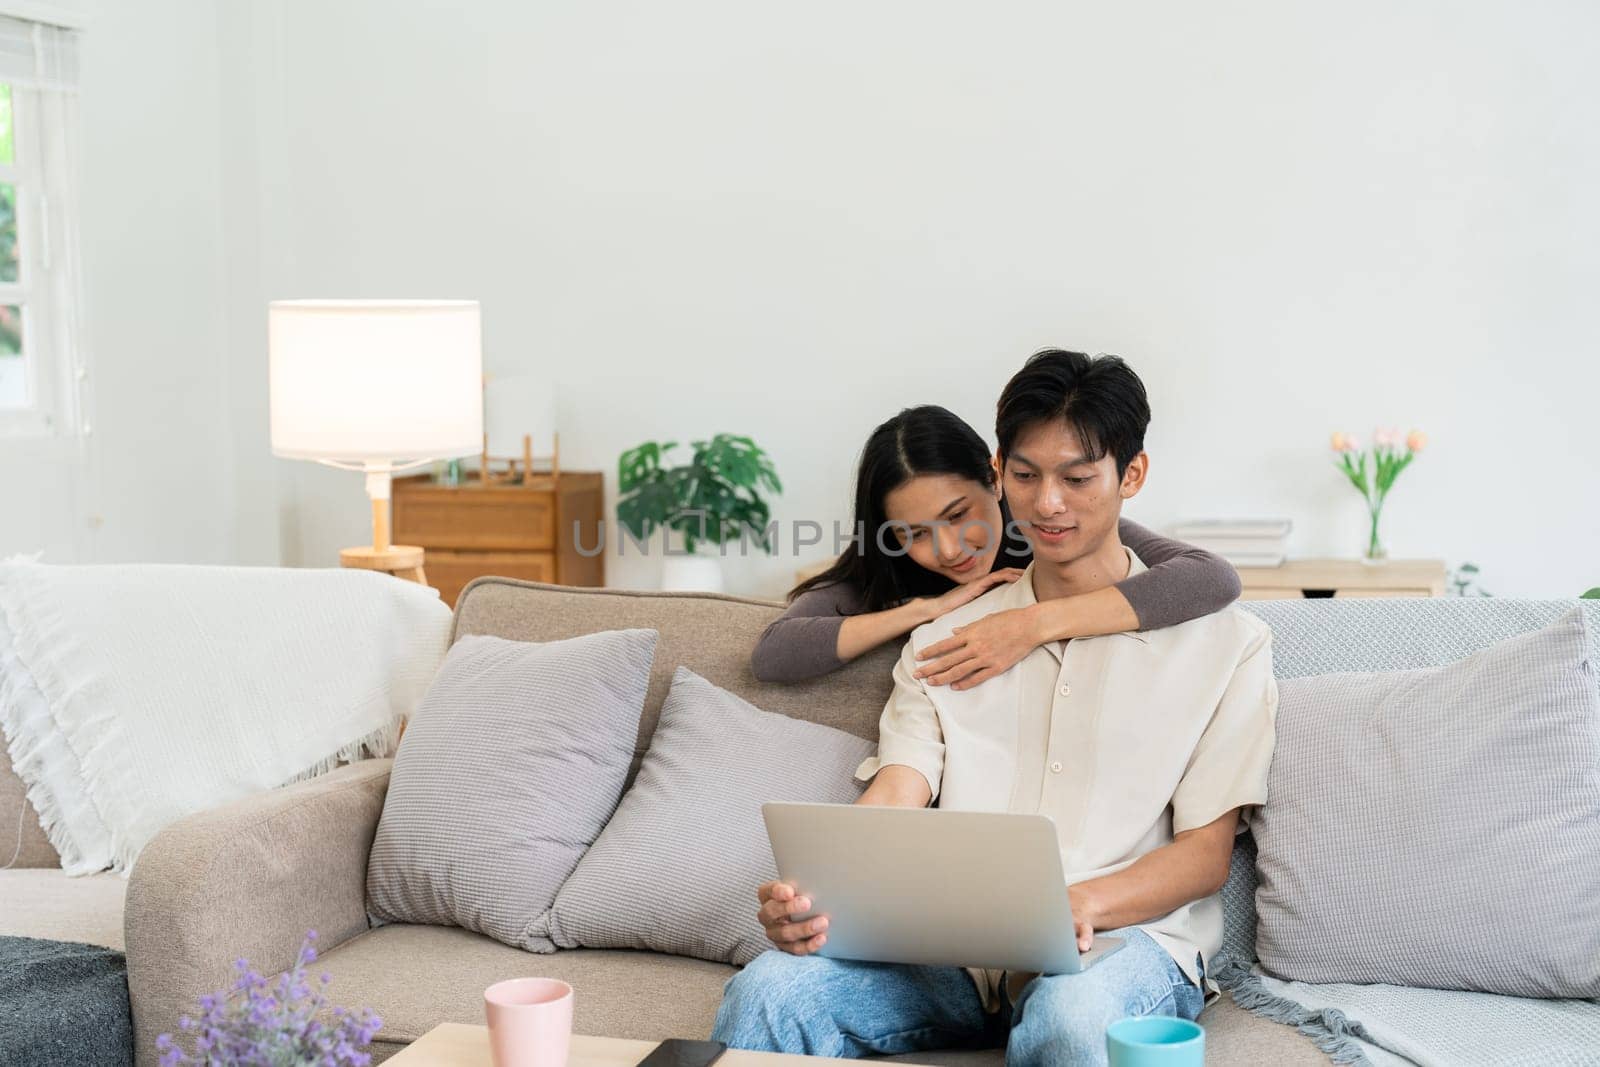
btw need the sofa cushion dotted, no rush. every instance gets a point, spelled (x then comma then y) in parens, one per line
(1326, 636)
(510, 768)
(1439, 827)
(711, 634)
(417, 977)
(45, 903)
(690, 831)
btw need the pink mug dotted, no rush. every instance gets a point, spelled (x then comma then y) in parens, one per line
(530, 1022)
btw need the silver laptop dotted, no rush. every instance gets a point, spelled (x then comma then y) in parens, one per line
(920, 885)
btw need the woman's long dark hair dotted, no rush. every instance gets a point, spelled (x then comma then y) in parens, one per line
(922, 440)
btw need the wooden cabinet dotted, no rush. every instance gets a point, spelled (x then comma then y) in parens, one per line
(1344, 578)
(538, 530)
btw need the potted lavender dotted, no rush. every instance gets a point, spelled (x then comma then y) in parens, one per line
(257, 1021)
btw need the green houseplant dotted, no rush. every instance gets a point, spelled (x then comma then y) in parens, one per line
(715, 498)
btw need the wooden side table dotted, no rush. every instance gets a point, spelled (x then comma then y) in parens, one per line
(514, 530)
(1344, 578)
(402, 561)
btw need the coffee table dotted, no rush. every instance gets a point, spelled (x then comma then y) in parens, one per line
(459, 1045)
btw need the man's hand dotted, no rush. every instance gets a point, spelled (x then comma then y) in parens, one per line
(893, 786)
(780, 902)
(1193, 866)
(1084, 914)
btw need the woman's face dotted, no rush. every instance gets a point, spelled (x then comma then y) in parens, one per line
(947, 524)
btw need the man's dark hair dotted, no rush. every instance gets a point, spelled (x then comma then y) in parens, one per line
(1098, 396)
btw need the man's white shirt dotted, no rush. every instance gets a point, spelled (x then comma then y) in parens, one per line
(1123, 740)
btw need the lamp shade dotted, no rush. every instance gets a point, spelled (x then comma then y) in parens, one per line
(375, 380)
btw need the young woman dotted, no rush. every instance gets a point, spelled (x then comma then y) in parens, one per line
(934, 533)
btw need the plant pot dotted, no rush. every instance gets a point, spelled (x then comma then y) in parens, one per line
(696, 573)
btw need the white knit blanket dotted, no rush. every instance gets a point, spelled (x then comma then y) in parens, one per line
(131, 696)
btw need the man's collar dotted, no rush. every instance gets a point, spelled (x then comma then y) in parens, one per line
(1021, 595)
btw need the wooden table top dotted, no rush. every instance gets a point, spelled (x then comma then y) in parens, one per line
(460, 1045)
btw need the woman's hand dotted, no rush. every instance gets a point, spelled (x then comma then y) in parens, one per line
(966, 593)
(978, 651)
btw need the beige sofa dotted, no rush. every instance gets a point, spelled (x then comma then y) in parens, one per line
(249, 879)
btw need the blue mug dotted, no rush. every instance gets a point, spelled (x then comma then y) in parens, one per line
(1156, 1041)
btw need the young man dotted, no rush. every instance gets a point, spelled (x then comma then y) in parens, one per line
(1142, 747)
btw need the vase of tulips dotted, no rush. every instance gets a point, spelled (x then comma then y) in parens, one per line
(1373, 472)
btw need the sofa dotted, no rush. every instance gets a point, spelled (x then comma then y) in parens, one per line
(251, 878)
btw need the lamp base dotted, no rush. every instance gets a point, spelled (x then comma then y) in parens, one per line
(402, 561)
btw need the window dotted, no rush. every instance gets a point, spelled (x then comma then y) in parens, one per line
(40, 366)
(14, 386)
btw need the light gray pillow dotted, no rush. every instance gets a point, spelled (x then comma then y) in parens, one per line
(1439, 827)
(509, 769)
(676, 870)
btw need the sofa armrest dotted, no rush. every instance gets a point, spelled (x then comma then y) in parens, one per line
(247, 880)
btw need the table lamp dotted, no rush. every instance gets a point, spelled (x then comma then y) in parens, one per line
(378, 386)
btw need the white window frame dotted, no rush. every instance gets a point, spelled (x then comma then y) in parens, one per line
(47, 286)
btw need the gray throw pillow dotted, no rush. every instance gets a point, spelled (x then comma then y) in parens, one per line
(1439, 827)
(676, 870)
(509, 769)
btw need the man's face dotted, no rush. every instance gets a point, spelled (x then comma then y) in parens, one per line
(1066, 504)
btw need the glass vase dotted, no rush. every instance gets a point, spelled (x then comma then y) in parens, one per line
(1376, 552)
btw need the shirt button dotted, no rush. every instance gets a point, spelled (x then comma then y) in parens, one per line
(1055, 768)
(1066, 690)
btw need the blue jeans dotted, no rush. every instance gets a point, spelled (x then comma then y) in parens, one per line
(825, 1007)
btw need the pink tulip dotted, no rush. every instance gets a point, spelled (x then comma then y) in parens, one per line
(1386, 438)
(1352, 444)
(1416, 440)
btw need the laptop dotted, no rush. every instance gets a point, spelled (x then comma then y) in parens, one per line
(921, 885)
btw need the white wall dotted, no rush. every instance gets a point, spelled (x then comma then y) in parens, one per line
(723, 216)
(790, 223)
(152, 481)
(250, 91)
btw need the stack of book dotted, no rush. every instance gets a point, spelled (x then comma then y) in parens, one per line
(1242, 542)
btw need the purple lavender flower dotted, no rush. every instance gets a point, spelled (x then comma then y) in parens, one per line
(256, 1021)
